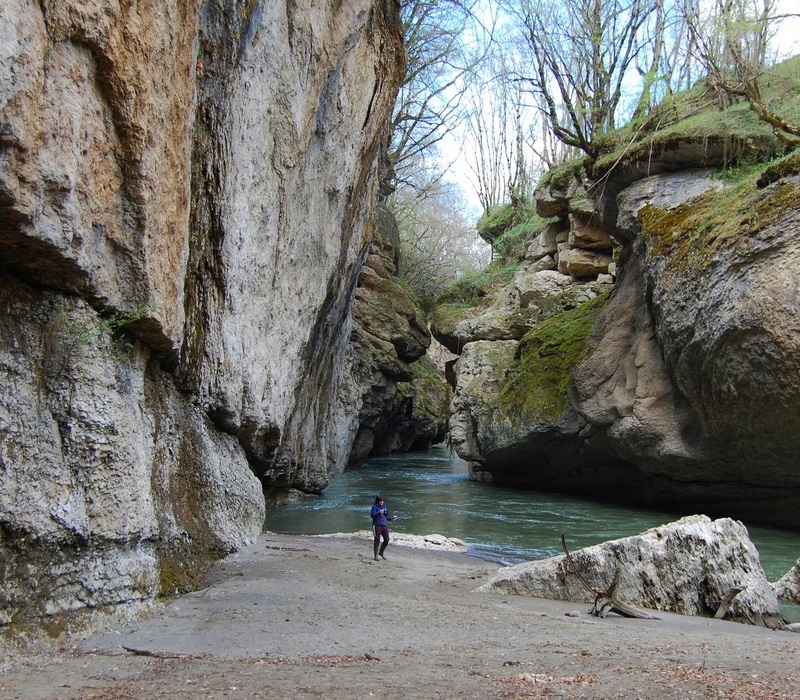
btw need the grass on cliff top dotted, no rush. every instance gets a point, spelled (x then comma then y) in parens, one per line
(509, 229)
(536, 391)
(691, 234)
(473, 285)
(694, 116)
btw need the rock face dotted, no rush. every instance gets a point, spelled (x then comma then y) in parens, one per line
(686, 567)
(680, 389)
(396, 399)
(788, 586)
(186, 193)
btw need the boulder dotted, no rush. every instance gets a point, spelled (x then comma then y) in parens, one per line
(685, 567)
(578, 262)
(480, 371)
(587, 232)
(560, 190)
(663, 191)
(545, 243)
(787, 588)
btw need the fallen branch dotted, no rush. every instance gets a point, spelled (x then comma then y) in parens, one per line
(156, 654)
(727, 599)
(606, 601)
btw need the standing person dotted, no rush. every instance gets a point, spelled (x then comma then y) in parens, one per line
(380, 526)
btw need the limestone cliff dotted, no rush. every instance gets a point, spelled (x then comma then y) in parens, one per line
(402, 400)
(680, 389)
(186, 193)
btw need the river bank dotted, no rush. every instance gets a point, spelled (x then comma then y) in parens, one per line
(301, 616)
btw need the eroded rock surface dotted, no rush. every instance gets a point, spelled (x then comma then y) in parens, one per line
(788, 586)
(687, 567)
(397, 398)
(680, 389)
(186, 193)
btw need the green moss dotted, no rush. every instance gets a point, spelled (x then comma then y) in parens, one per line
(689, 235)
(536, 391)
(431, 392)
(182, 566)
(474, 285)
(560, 177)
(495, 221)
(695, 116)
(509, 229)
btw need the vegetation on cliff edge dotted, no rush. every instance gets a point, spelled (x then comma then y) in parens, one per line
(691, 234)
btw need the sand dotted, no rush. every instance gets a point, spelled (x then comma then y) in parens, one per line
(312, 617)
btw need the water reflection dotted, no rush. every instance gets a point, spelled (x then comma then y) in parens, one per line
(431, 493)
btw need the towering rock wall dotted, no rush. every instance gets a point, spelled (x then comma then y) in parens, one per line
(186, 192)
(401, 398)
(681, 388)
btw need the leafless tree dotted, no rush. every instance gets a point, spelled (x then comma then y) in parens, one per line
(444, 43)
(733, 39)
(508, 144)
(438, 241)
(582, 52)
(667, 63)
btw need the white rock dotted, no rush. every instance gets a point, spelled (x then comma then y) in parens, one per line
(686, 567)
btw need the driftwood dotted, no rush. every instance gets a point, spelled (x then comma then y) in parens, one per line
(725, 605)
(606, 601)
(158, 654)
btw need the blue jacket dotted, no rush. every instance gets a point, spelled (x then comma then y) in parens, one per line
(380, 515)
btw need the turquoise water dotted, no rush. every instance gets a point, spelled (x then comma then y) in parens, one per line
(430, 493)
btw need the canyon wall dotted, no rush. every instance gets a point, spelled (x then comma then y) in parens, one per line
(678, 386)
(186, 195)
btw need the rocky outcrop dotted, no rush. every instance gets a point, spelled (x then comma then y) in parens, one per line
(186, 193)
(400, 396)
(678, 390)
(686, 567)
(787, 588)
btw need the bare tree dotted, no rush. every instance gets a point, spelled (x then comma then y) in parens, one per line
(582, 53)
(733, 39)
(438, 242)
(440, 61)
(507, 144)
(487, 134)
(667, 62)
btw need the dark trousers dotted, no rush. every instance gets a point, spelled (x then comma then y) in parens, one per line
(381, 531)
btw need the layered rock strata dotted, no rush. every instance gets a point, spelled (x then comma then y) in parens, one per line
(679, 389)
(186, 194)
(391, 390)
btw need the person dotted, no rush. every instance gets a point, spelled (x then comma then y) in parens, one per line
(380, 526)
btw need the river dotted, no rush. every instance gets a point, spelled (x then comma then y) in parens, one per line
(430, 492)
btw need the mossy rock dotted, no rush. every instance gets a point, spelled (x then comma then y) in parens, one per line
(536, 391)
(690, 235)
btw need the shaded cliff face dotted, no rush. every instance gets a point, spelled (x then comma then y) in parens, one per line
(298, 97)
(401, 398)
(186, 190)
(681, 389)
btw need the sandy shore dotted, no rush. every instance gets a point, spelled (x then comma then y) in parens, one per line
(313, 617)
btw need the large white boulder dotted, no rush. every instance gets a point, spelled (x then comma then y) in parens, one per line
(787, 588)
(685, 567)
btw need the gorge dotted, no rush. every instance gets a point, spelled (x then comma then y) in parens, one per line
(201, 310)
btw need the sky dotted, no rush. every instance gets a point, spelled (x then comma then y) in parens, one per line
(456, 152)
